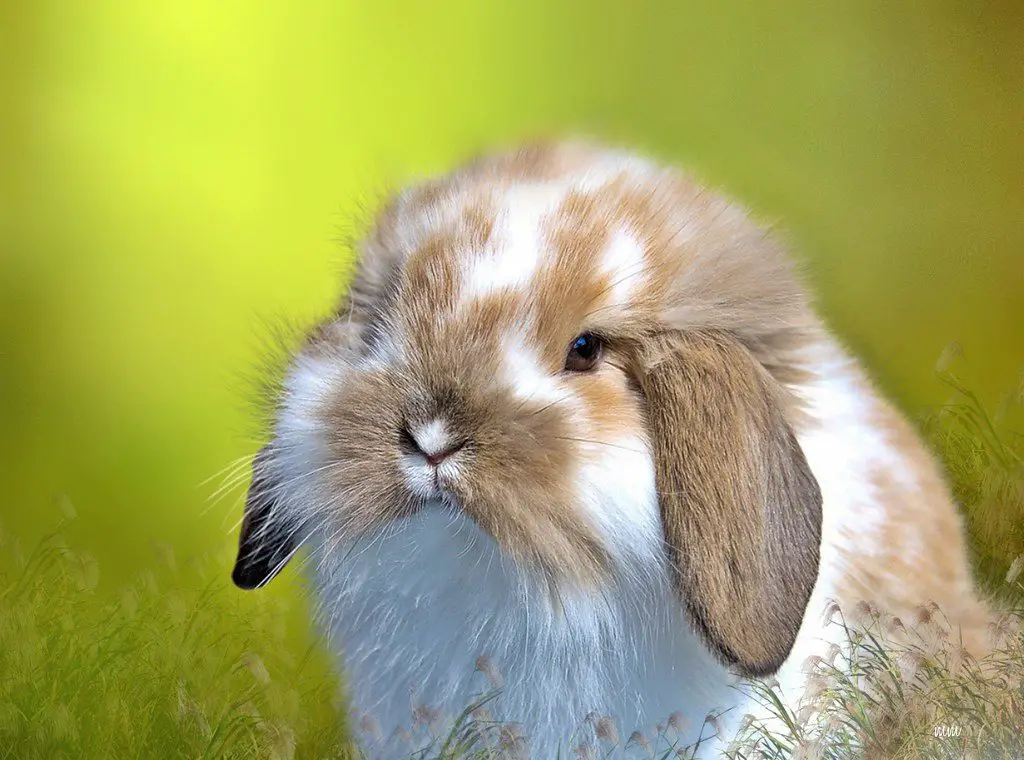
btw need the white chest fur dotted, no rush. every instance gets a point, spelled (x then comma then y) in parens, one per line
(411, 611)
(412, 614)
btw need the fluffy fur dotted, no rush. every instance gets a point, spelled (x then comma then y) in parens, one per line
(622, 541)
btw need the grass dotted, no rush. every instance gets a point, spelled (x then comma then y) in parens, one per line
(178, 664)
(984, 456)
(923, 697)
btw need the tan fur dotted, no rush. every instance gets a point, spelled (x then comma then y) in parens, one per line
(515, 470)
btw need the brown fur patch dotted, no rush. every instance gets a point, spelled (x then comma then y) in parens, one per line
(576, 235)
(477, 225)
(430, 283)
(610, 400)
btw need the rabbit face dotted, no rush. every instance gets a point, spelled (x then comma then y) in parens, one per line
(589, 358)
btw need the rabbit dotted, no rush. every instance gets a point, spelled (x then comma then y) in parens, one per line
(575, 435)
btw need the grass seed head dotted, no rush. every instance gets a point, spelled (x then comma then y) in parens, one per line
(807, 750)
(865, 613)
(513, 741)
(254, 664)
(712, 720)
(605, 730)
(401, 734)
(833, 612)
(1002, 629)
(832, 653)
(894, 626)
(1015, 570)
(812, 664)
(677, 721)
(485, 665)
(430, 717)
(369, 725)
(815, 686)
(909, 662)
(482, 715)
(640, 740)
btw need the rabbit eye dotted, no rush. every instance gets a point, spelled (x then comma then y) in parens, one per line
(585, 352)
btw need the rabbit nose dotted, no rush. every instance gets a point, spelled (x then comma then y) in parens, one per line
(436, 459)
(433, 441)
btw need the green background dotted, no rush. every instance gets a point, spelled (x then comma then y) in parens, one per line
(176, 175)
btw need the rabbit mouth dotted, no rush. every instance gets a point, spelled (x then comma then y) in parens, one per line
(427, 480)
(438, 498)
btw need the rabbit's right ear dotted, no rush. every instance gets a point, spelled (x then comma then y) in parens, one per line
(740, 506)
(267, 539)
(265, 543)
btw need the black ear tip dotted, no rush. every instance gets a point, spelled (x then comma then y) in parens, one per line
(245, 576)
(257, 566)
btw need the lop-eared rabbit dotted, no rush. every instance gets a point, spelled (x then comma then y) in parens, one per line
(577, 420)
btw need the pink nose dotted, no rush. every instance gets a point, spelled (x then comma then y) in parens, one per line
(439, 456)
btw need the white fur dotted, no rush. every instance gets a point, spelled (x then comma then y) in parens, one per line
(523, 373)
(432, 437)
(515, 253)
(624, 261)
(302, 454)
(412, 613)
(419, 476)
(624, 509)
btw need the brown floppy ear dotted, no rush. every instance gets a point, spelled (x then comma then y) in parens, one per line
(741, 509)
(265, 543)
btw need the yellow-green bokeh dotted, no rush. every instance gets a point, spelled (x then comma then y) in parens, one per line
(175, 173)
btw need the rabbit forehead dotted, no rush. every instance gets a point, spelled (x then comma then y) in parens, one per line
(527, 263)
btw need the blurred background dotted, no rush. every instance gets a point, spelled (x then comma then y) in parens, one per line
(176, 175)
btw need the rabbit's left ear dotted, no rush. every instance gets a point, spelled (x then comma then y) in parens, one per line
(740, 506)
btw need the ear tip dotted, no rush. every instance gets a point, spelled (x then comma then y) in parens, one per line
(762, 669)
(247, 577)
(241, 579)
(750, 664)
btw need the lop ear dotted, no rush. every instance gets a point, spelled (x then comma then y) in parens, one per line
(740, 506)
(265, 544)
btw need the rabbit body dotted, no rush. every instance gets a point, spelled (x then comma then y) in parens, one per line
(613, 542)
